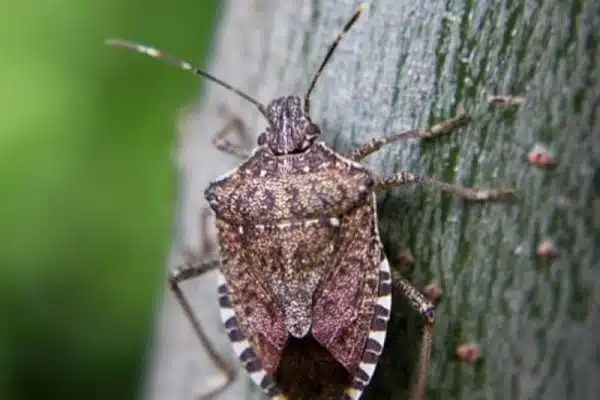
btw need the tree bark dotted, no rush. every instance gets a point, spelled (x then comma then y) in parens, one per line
(405, 65)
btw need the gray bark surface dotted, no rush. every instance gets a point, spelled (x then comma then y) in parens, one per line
(409, 64)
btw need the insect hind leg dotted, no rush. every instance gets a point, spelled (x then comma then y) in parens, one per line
(427, 310)
(190, 269)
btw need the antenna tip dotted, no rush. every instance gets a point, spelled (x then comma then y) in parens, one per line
(123, 43)
(363, 6)
(112, 42)
(140, 48)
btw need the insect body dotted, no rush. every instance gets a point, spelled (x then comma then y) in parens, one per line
(304, 286)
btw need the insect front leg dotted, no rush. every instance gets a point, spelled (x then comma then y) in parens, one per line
(233, 125)
(473, 194)
(427, 310)
(439, 129)
(193, 268)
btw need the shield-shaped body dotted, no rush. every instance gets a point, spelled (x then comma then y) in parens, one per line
(305, 289)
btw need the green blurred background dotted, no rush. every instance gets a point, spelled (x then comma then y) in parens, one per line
(87, 188)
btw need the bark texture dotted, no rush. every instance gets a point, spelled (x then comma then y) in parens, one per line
(407, 64)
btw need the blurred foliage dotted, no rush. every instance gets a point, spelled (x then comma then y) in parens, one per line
(87, 188)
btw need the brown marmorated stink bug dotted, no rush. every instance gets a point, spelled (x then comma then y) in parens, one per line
(304, 285)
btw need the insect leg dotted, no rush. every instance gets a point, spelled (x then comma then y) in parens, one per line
(221, 140)
(208, 244)
(193, 268)
(439, 129)
(474, 194)
(427, 310)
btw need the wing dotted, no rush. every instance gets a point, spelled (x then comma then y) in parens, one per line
(241, 345)
(258, 320)
(352, 308)
(250, 312)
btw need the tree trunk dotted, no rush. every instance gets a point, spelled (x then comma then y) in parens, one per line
(409, 64)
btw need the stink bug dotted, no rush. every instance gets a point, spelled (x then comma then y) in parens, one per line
(304, 285)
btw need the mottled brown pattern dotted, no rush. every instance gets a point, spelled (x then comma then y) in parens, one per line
(289, 260)
(258, 314)
(347, 293)
(301, 257)
(269, 189)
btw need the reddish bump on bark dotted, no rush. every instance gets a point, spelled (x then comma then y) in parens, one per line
(540, 156)
(406, 258)
(468, 352)
(505, 100)
(547, 249)
(433, 292)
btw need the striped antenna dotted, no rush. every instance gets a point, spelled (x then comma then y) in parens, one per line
(184, 65)
(332, 48)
